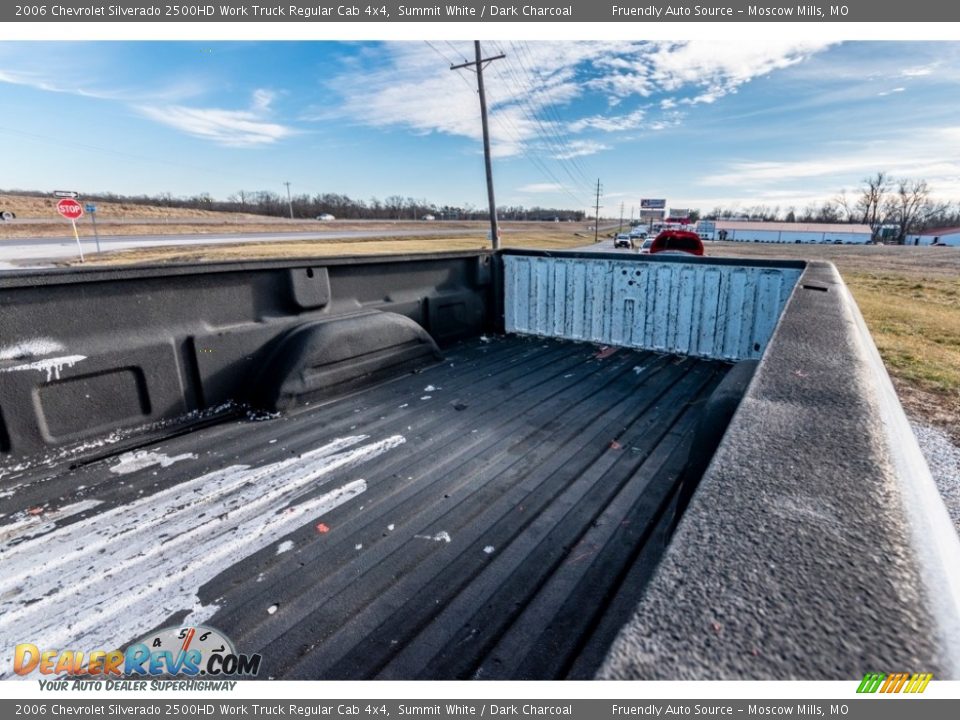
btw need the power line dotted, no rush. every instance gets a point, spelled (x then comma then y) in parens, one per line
(529, 114)
(507, 124)
(551, 110)
(552, 142)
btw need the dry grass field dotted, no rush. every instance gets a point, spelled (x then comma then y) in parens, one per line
(910, 299)
(37, 217)
(467, 236)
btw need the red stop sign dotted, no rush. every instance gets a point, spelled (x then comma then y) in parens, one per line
(70, 209)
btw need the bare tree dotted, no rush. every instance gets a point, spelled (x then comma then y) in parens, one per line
(844, 206)
(911, 207)
(872, 203)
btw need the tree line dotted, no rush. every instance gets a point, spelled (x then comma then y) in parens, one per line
(304, 206)
(893, 208)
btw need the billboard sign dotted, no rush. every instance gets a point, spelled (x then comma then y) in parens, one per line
(653, 203)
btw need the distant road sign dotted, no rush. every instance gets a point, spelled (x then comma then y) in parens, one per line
(90, 208)
(66, 193)
(70, 209)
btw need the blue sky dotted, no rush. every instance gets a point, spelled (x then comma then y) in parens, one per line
(701, 123)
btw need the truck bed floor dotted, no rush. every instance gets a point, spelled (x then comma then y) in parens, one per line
(495, 516)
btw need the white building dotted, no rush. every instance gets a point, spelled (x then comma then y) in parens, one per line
(942, 236)
(783, 232)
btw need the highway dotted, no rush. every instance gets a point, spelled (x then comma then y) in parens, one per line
(38, 250)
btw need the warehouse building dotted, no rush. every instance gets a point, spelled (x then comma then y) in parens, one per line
(940, 236)
(783, 232)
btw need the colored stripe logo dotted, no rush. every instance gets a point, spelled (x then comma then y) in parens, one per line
(894, 683)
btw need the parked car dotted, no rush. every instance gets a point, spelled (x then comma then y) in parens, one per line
(677, 242)
(325, 217)
(645, 246)
(622, 241)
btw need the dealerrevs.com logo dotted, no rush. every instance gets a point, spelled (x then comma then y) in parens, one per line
(174, 651)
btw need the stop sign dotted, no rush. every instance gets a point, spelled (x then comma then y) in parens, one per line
(70, 209)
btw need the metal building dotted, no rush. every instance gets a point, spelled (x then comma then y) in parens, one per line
(783, 232)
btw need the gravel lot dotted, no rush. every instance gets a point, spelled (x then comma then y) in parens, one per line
(943, 457)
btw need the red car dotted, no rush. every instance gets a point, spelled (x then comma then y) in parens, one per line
(677, 241)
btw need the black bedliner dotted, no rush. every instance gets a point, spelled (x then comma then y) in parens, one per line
(507, 536)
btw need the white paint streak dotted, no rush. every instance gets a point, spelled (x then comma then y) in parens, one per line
(442, 536)
(272, 609)
(134, 461)
(430, 388)
(390, 527)
(425, 397)
(281, 548)
(102, 581)
(52, 366)
(38, 347)
(24, 525)
(489, 549)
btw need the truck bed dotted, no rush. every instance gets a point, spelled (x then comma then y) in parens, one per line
(494, 516)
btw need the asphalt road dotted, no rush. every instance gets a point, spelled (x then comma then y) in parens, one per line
(33, 251)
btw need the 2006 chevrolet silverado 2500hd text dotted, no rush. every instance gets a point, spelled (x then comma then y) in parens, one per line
(468, 465)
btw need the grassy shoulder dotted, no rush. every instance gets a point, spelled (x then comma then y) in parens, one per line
(915, 322)
(910, 300)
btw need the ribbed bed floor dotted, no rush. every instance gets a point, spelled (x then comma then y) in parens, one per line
(492, 517)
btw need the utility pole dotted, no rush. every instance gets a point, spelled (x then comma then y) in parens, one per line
(620, 230)
(289, 201)
(478, 64)
(596, 225)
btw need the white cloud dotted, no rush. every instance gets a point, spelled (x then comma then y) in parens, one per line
(891, 92)
(175, 91)
(231, 128)
(579, 148)
(917, 153)
(920, 70)
(540, 188)
(262, 99)
(610, 123)
(41, 81)
(415, 89)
